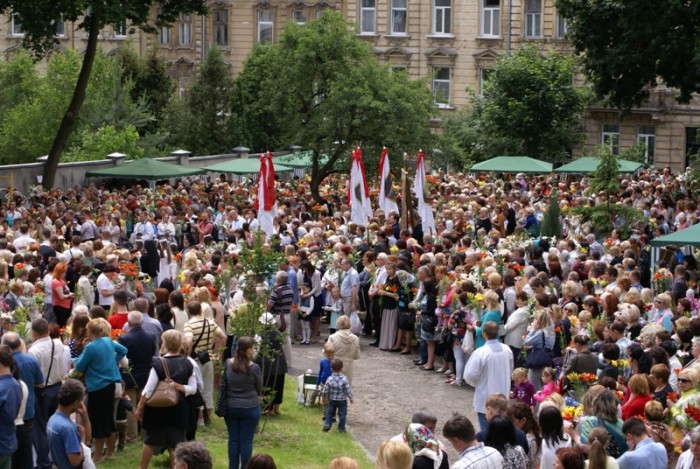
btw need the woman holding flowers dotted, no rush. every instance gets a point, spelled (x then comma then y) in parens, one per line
(388, 294)
(681, 420)
(493, 313)
(540, 335)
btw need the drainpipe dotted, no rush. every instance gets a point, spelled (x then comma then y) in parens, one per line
(204, 38)
(510, 26)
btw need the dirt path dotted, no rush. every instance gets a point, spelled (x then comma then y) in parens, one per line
(388, 388)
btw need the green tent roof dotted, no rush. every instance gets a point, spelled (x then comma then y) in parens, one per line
(300, 160)
(687, 237)
(512, 164)
(243, 166)
(146, 168)
(588, 164)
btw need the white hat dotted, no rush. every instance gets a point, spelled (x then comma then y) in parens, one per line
(267, 318)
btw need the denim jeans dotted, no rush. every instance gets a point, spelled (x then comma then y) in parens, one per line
(241, 425)
(483, 423)
(46, 404)
(423, 347)
(23, 456)
(342, 408)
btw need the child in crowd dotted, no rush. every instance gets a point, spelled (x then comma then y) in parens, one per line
(336, 309)
(123, 406)
(324, 371)
(550, 384)
(306, 306)
(523, 390)
(337, 390)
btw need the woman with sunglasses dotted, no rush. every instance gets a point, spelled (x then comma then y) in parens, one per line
(687, 385)
(662, 313)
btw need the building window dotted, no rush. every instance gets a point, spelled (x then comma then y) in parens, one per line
(398, 16)
(120, 29)
(441, 86)
(647, 135)
(611, 137)
(692, 144)
(299, 17)
(396, 69)
(185, 30)
(443, 16)
(221, 27)
(265, 26)
(490, 18)
(533, 18)
(562, 27)
(164, 36)
(367, 16)
(16, 26)
(484, 74)
(60, 28)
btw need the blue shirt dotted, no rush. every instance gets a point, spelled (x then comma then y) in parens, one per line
(646, 454)
(324, 371)
(30, 373)
(64, 439)
(10, 400)
(292, 282)
(99, 363)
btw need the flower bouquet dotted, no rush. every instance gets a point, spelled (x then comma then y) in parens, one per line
(580, 382)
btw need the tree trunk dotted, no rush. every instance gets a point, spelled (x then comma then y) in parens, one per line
(69, 118)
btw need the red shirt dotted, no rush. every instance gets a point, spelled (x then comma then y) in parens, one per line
(635, 407)
(118, 320)
(55, 286)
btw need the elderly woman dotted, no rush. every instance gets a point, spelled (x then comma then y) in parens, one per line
(690, 459)
(662, 313)
(425, 448)
(687, 384)
(540, 335)
(347, 346)
(99, 362)
(165, 427)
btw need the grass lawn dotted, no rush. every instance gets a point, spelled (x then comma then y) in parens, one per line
(294, 439)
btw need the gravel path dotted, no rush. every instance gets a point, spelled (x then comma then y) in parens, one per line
(388, 388)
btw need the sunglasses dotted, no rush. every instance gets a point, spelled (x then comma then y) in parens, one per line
(684, 380)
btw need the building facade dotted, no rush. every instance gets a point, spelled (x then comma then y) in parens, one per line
(454, 43)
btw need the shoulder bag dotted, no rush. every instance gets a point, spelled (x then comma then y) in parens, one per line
(538, 357)
(202, 356)
(222, 398)
(165, 393)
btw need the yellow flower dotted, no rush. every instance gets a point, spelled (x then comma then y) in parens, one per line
(394, 249)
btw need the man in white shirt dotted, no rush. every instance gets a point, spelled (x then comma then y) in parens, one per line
(106, 287)
(23, 240)
(143, 229)
(488, 370)
(50, 355)
(459, 431)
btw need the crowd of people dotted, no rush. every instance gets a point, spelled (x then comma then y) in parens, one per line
(582, 347)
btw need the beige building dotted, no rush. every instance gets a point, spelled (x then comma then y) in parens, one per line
(454, 42)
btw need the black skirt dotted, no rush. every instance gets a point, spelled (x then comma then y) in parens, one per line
(273, 388)
(100, 406)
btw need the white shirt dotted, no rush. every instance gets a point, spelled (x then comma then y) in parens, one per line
(48, 296)
(22, 242)
(686, 460)
(549, 453)
(144, 229)
(41, 350)
(166, 229)
(104, 283)
(516, 327)
(488, 370)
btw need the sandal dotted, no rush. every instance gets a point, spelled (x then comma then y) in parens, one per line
(441, 370)
(449, 381)
(459, 383)
(427, 369)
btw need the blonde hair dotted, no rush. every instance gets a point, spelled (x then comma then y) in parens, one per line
(544, 320)
(491, 299)
(343, 322)
(202, 294)
(394, 455)
(494, 280)
(556, 400)
(569, 289)
(518, 372)
(329, 350)
(343, 462)
(172, 341)
(99, 327)
(639, 384)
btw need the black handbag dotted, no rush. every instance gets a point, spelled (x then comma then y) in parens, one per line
(407, 320)
(405, 298)
(221, 399)
(202, 356)
(428, 324)
(538, 357)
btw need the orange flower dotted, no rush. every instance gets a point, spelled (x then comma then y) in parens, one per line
(178, 256)
(678, 371)
(129, 271)
(20, 265)
(672, 396)
(295, 307)
(693, 412)
(116, 333)
(588, 377)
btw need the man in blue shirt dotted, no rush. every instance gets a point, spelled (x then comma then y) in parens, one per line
(10, 401)
(30, 373)
(64, 436)
(645, 452)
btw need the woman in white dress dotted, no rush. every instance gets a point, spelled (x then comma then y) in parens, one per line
(166, 260)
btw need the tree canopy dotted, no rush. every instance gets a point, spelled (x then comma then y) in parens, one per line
(38, 18)
(323, 88)
(626, 45)
(529, 106)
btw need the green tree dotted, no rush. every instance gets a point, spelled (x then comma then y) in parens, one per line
(38, 19)
(103, 141)
(608, 212)
(627, 45)
(206, 124)
(18, 81)
(531, 101)
(551, 224)
(324, 89)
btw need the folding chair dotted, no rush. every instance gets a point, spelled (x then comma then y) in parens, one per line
(309, 386)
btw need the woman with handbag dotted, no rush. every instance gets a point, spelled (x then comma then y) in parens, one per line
(539, 343)
(163, 423)
(428, 320)
(98, 362)
(242, 387)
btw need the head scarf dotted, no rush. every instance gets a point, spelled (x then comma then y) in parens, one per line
(423, 442)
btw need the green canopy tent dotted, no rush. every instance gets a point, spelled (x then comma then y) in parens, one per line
(299, 160)
(146, 168)
(243, 166)
(588, 164)
(687, 237)
(512, 164)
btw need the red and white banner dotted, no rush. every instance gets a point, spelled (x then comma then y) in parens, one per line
(266, 203)
(425, 210)
(358, 191)
(387, 196)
